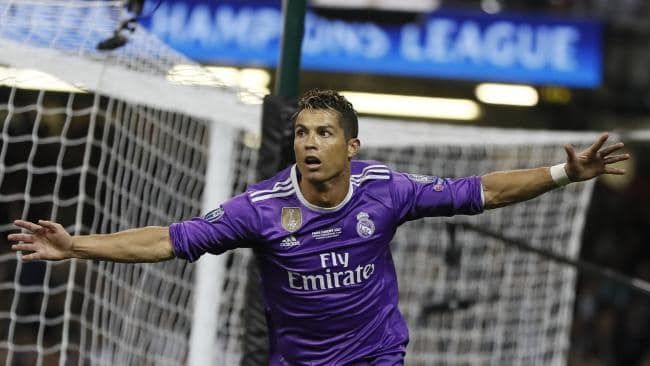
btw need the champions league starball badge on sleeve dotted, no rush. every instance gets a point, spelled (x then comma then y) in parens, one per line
(426, 179)
(421, 178)
(214, 215)
(365, 226)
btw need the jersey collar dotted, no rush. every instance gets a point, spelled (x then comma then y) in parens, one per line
(303, 200)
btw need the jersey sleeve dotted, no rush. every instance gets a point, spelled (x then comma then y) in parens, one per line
(232, 225)
(417, 196)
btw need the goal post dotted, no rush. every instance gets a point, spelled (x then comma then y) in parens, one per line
(210, 268)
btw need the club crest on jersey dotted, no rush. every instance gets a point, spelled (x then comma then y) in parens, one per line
(214, 215)
(365, 226)
(291, 218)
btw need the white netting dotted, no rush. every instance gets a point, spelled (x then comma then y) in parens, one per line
(131, 152)
(75, 28)
(61, 38)
(514, 307)
(96, 165)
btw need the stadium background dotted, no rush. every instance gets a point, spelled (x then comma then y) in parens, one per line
(610, 323)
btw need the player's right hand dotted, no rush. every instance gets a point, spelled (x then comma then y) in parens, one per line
(47, 241)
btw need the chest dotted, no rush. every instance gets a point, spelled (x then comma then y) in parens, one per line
(297, 231)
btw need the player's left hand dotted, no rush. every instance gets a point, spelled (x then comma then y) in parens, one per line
(594, 161)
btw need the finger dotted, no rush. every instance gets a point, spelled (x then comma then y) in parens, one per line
(616, 158)
(24, 247)
(610, 149)
(29, 238)
(599, 143)
(615, 171)
(28, 225)
(31, 257)
(48, 224)
(570, 152)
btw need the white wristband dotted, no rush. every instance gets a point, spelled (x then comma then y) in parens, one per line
(558, 173)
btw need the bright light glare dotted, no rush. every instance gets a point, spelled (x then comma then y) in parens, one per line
(254, 96)
(517, 95)
(253, 83)
(254, 78)
(194, 75)
(227, 75)
(411, 106)
(491, 6)
(35, 80)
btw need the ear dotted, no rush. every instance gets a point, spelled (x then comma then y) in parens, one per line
(354, 145)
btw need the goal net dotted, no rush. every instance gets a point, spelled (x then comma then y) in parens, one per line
(475, 300)
(123, 139)
(142, 143)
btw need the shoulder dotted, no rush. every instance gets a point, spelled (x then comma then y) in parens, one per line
(370, 174)
(280, 185)
(369, 169)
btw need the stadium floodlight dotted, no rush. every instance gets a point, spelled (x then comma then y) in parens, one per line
(515, 95)
(491, 6)
(414, 106)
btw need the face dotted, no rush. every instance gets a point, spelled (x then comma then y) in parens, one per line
(322, 150)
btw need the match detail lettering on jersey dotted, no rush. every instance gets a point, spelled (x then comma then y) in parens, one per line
(330, 233)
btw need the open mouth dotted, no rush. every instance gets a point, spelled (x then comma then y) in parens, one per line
(312, 162)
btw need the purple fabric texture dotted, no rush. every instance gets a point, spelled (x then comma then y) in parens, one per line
(328, 278)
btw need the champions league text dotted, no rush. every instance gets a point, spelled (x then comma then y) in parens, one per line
(336, 274)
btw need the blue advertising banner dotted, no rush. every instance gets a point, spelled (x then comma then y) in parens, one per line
(445, 44)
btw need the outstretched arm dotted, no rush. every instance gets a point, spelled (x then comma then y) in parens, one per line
(505, 188)
(49, 241)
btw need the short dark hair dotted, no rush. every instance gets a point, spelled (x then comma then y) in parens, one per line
(331, 100)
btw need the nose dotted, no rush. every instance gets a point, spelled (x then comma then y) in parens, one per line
(310, 141)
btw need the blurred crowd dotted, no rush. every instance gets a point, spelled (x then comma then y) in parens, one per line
(611, 324)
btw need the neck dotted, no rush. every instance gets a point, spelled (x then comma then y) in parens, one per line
(328, 193)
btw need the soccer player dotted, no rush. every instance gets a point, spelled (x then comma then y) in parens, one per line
(322, 230)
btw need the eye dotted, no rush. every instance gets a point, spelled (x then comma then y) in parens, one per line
(300, 133)
(325, 133)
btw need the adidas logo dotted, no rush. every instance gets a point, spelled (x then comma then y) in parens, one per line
(289, 242)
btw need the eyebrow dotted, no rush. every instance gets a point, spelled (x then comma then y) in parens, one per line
(305, 127)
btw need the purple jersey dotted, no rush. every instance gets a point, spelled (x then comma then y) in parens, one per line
(328, 277)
